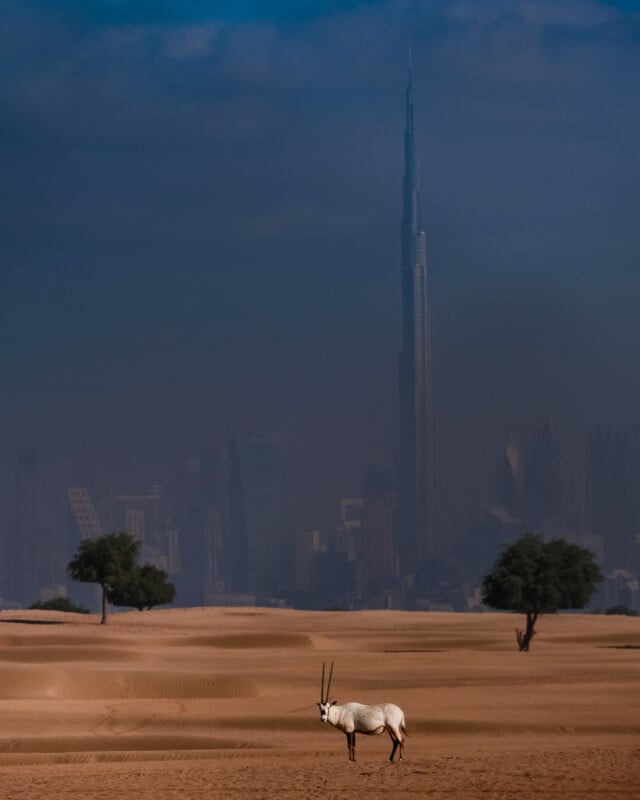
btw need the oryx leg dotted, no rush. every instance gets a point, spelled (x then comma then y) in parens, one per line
(351, 743)
(396, 739)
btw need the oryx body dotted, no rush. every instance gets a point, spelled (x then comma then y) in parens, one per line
(352, 718)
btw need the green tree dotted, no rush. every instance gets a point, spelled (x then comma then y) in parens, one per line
(59, 604)
(624, 611)
(533, 576)
(145, 587)
(107, 561)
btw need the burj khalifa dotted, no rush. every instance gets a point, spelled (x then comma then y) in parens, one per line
(417, 530)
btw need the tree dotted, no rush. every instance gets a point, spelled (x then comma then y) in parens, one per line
(533, 576)
(624, 611)
(145, 587)
(59, 604)
(107, 561)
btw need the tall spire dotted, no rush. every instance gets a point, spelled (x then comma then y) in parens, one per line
(417, 529)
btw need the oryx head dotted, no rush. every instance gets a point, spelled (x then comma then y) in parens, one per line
(324, 705)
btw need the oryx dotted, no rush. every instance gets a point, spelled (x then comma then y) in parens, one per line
(352, 718)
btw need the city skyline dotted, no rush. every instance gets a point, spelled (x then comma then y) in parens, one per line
(200, 233)
(221, 531)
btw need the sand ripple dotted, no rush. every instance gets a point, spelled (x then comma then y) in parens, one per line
(117, 684)
(247, 641)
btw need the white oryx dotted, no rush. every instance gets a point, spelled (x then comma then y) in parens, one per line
(352, 718)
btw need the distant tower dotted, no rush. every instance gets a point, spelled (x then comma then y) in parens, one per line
(22, 549)
(83, 517)
(84, 523)
(418, 534)
(543, 482)
(200, 521)
(377, 521)
(612, 497)
(257, 514)
(511, 477)
(213, 524)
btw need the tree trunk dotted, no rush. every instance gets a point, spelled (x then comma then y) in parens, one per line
(524, 638)
(103, 621)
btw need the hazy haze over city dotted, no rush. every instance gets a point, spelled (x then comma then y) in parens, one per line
(200, 231)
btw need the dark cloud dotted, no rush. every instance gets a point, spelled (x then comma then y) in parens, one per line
(200, 223)
(174, 12)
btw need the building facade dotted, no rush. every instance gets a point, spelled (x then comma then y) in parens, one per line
(256, 514)
(377, 522)
(418, 535)
(22, 546)
(612, 499)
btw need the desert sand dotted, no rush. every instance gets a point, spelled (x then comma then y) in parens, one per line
(220, 703)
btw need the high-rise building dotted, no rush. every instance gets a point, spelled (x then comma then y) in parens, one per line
(510, 477)
(98, 482)
(377, 521)
(200, 519)
(7, 538)
(257, 514)
(83, 517)
(299, 549)
(612, 499)
(45, 566)
(349, 539)
(543, 483)
(22, 546)
(144, 516)
(188, 521)
(418, 534)
(349, 530)
(213, 509)
(84, 523)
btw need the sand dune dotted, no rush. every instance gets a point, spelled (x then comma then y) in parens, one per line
(51, 654)
(97, 684)
(124, 743)
(55, 638)
(217, 703)
(243, 641)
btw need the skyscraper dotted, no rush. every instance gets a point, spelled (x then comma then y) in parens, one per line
(417, 527)
(200, 521)
(377, 521)
(612, 498)
(543, 483)
(511, 477)
(84, 520)
(22, 549)
(257, 514)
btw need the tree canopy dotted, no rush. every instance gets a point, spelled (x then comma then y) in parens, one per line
(59, 604)
(533, 576)
(146, 586)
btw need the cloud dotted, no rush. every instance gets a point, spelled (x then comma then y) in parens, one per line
(536, 14)
(190, 12)
(192, 41)
(213, 181)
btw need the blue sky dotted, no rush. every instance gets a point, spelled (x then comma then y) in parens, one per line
(201, 223)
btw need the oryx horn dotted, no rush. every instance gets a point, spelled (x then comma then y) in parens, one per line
(325, 697)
